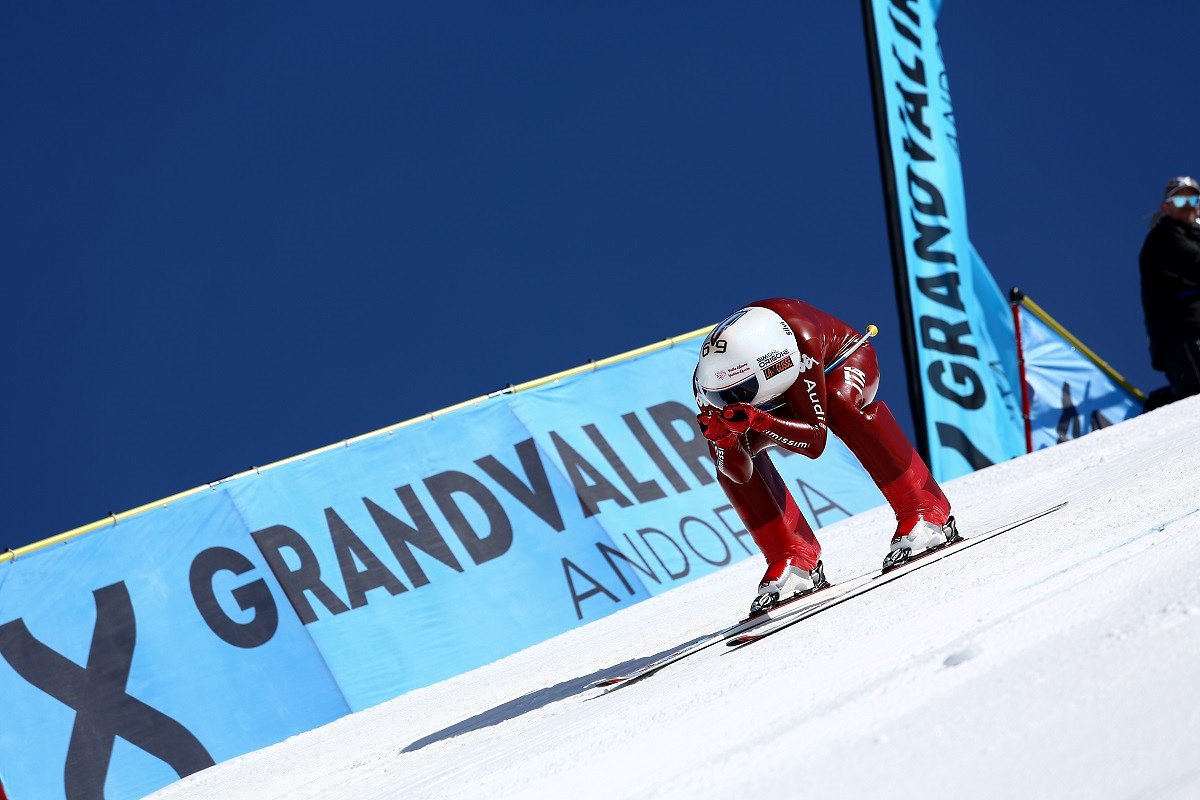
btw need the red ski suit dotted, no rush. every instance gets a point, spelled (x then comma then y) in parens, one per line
(815, 403)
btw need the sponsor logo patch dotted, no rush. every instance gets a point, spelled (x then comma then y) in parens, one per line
(785, 440)
(778, 367)
(771, 358)
(740, 369)
(806, 361)
(856, 378)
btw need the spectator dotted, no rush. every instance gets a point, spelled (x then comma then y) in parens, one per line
(1170, 273)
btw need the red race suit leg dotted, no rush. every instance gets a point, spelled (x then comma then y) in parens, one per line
(774, 521)
(877, 441)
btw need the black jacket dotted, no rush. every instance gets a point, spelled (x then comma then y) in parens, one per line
(1170, 271)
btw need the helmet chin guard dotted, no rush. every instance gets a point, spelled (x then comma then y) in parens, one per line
(750, 357)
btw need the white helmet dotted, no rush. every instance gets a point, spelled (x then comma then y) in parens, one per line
(751, 357)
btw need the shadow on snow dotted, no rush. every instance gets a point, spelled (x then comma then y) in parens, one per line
(540, 698)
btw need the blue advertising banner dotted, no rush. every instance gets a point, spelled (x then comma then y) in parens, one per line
(958, 333)
(419, 555)
(651, 483)
(270, 603)
(135, 656)
(1069, 393)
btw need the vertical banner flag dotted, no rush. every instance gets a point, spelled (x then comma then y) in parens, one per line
(1068, 390)
(956, 328)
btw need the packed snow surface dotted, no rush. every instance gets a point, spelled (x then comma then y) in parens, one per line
(1061, 659)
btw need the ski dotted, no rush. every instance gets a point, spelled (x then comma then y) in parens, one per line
(779, 612)
(886, 576)
(785, 615)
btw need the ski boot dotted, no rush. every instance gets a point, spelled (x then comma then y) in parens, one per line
(921, 538)
(785, 582)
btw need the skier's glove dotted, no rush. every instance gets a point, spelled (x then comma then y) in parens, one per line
(741, 417)
(715, 430)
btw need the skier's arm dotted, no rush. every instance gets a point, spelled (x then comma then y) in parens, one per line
(727, 448)
(799, 437)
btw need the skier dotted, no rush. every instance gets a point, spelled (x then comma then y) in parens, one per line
(761, 381)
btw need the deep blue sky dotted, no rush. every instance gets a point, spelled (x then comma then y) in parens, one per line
(236, 232)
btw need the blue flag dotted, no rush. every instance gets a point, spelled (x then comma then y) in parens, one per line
(958, 332)
(1070, 391)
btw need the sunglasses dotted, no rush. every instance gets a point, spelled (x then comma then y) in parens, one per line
(1179, 201)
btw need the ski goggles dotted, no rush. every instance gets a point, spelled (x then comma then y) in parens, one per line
(1181, 200)
(741, 392)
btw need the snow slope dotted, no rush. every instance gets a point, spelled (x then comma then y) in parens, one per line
(1061, 659)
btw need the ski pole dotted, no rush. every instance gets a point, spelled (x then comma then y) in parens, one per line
(871, 331)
